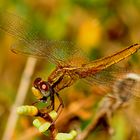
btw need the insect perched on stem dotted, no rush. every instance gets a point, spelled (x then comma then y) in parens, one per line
(70, 62)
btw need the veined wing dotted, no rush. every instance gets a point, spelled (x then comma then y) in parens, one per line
(108, 77)
(57, 52)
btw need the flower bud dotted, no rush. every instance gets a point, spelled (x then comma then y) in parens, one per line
(27, 110)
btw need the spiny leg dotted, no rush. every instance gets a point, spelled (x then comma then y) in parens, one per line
(52, 104)
(52, 101)
(59, 109)
(61, 105)
(34, 103)
(53, 132)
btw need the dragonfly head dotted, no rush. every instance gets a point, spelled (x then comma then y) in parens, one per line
(43, 89)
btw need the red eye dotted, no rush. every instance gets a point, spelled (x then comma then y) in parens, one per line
(44, 86)
(37, 81)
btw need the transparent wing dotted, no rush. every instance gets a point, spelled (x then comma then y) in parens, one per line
(58, 52)
(108, 77)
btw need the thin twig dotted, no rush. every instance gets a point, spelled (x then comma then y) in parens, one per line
(21, 94)
(91, 126)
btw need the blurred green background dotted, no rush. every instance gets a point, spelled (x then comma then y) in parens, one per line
(99, 27)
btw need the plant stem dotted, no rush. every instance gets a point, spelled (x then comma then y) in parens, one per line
(21, 95)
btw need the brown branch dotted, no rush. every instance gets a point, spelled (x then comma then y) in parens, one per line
(84, 134)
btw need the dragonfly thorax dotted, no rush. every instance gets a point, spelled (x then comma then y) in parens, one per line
(62, 77)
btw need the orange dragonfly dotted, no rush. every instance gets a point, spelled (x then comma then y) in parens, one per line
(70, 62)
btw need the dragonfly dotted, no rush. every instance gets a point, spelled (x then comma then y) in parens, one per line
(71, 63)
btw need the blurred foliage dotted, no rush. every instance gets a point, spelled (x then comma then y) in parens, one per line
(99, 27)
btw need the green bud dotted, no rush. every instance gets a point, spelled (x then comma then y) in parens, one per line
(66, 136)
(37, 123)
(27, 110)
(44, 127)
(53, 114)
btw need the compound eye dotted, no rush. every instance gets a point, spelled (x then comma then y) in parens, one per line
(37, 81)
(44, 86)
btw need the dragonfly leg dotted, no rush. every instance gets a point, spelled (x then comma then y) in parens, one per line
(61, 102)
(52, 104)
(52, 101)
(61, 105)
(53, 132)
(34, 103)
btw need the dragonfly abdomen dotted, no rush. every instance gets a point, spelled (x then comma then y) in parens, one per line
(95, 66)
